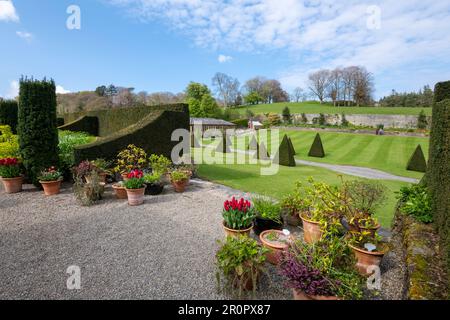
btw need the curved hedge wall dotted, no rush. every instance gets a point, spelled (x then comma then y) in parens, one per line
(8, 114)
(84, 124)
(152, 133)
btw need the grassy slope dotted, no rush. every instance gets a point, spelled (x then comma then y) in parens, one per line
(386, 153)
(247, 178)
(315, 107)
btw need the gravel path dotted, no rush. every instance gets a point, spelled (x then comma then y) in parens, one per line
(163, 249)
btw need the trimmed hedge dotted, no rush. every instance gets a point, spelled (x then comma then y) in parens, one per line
(292, 145)
(59, 122)
(417, 161)
(84, 124)
(441, 91)
(9, 113)
(38, 135)
(317, 148)
(152, 133)
(285, 154)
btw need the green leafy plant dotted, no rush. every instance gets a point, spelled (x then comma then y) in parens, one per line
(50, 174)
(267, 209)
(415, 201)
(362, 238)
(135, 180)
(238, 214)
(159, 164)
(240, 260)
(178, 176)
(68, 140)
(153, 178)
(10, 168)
(131, 158)
(296, 202)
(102, 165)
(9, 143)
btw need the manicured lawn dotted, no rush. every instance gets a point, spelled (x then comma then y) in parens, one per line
(315, 107)
(386, 153)
(246, 177)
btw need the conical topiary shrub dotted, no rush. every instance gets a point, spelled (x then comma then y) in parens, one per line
(285, 154)
(253, 144)
(224, 145)
(317, 148)
(292, 145)
(261, 152)
(417, 161)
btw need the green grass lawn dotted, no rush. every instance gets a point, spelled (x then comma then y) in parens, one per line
(386, 153)
(246, 177)
(315, 107)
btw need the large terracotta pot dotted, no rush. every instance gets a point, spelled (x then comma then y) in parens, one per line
(12, 185)
(51, 188)
(276, 249)
(311, 231)
(300, 295)
(235, 233)
(135, 196)
(120, 191)
(366, 259)
(180, 186)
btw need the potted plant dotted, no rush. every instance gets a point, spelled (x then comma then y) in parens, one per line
(84, 170)
(362, 200)
(153, 183)
(179, 179)
(119, 190)
(51, 179)
(238, 217)
(276, 242)
(10, 173)
(88, 192)
(102, 168)
(239, 262)
(135, 187)
(368, 249)
(293, 205)
(320, 271)
(268, 215)
(130, 159)
(159, 164)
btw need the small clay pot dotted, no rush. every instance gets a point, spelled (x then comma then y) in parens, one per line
(12, 185)
(366, 259)
(311, 231)
(135, 196)
(120, 191)
(180, 186)
(300, 295)
(235, 233)
(51, 188)
(276, 249)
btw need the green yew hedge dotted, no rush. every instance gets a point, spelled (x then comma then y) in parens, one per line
(8, 114)
(417, 161)
(285, 155)
(317, 148)
(84, 124)
(38, 135)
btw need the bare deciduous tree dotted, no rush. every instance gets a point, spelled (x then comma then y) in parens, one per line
(318, 83)
(227, 88)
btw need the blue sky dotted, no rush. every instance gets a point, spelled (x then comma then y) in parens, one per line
(161, 45)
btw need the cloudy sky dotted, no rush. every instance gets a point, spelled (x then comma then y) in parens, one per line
(161, 45)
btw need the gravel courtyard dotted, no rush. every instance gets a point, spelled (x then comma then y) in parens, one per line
(163, 249)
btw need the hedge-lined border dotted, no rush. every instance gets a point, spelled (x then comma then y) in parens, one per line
(84, 124)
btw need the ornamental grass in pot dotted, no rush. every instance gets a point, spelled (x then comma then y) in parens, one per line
(368, 249)
(88, 192)
(51, 179)
(238, 217)
(239, 263)
(11, 175)
(154, 184)
(268, 215)
(179, 179)
(321, 271)
(135, 187)
(277, 242)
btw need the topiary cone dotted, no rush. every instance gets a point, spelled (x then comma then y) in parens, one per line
(285, 154)
(417, 161)
(292, 145)
(317, 148)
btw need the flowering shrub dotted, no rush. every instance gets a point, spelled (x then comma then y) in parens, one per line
(9, 143)
(50, 174)
(131, 158)
(10, 168)
(135, 180)
(238, 214)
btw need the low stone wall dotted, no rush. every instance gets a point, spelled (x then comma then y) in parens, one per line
(371, 120)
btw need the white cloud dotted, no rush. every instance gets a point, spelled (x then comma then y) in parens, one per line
(8, 11)
(13, 90)
(60, 89)
(25, 35)
(223, 58)
(315, 33)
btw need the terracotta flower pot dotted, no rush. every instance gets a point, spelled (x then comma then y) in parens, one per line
(51, 188)
(124, 176)
(12, 185)
(235, 233)
(311, 231)
(180, 186)
(275, 248)
(366, 259)
(120, 191)
(300, 295)
(135, 196)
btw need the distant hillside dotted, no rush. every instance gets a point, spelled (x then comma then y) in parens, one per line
(81, 101)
